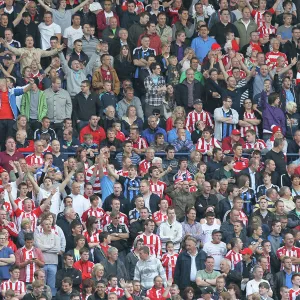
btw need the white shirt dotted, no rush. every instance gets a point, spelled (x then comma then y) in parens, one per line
(217, 251)
(252, 286)
(47, 31)
(55, 201)
(72, 35)
(80, 204)
(207, 231)
(193, 268)
(253, 182)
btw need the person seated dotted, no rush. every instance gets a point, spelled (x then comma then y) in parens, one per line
(229, 141)
(182, 144)
(252, 143)
(68, 142)
(22, 143)
(173, 133)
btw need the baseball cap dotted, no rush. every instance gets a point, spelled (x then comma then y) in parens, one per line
(235, 132)
(216, 231)
(215, 46)
(156, 111)
(276, 129)
(7, 56)
(198, 101)
(207, 290)
(246, 251)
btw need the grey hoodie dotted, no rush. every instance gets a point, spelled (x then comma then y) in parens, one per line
(123, 105)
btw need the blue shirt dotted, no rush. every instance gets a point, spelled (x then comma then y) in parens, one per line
(289, 96)
(202, 47)
(4, 270)
(288, 280)
(107, 187)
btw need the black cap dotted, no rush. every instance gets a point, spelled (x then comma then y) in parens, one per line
(7, 56)
(198, 101)
(207, 290)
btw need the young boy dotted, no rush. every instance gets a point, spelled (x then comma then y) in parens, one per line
(119, 134)
(173, 70)
(89, 146)
(169, 260)
(107, 97)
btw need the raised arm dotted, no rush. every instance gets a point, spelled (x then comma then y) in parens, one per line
(81, 5)
(67, 179)
(18, 19)
(47, 8)
(16, 51)
(11, 200)
(111, 172)
(249, 6)
(48, 200)
(33, 182)
(222, 68)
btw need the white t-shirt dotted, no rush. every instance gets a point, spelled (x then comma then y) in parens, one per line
(55, 201)
(217, 251)
(80, 204)
(72, 35)
(47, 31)
(207, 231)
(252, 286)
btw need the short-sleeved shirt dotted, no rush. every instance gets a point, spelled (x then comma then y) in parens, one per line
(5, 252)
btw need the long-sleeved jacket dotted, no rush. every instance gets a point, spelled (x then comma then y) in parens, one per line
(73, 273)
(98, 81)
(218, 114)
(227, 228)
(31, 54)
(202, 203)
(123, 106)
(181, 199)
(59, 105)
(42, 105)
(183, 267)
(101, 22)
(273, 116)
(293, 219)
(164, 33)
(121, 270)
(84, 107)
(155, 42)
(85, 267)
(279, 281)
(244, 31)
(149, 134)
(145, 271)
(130, 263)
(74, 78)
(170, 232)
(50, 246)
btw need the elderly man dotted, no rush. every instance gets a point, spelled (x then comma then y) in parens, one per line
(152, 130)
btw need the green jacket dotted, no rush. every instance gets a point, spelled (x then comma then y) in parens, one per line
(243, 32)
(42, 106)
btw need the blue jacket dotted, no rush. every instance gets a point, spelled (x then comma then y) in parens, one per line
(172, 135)
(202, 47)
(12, 93)
(183, 267)
(149, 134)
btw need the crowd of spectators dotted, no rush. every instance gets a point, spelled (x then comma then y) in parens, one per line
(150, 149)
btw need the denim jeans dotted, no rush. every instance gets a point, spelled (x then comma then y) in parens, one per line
(50, 272)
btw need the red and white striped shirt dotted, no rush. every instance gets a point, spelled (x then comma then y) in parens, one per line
(158, 188)
(153, 242)
(203, 146)
(271, 58)
(120, 292)
(122, 173)
(156, 294)
(18, 287)
(89, 174)
(243, 217)
(263, 30)
(106, 220)
(33, 159)
(140, 143)
(144, 166)
(54, 229)
(30, 268)
(243, 74)
(293, 252)
(33, 216)
(258, 16)
(293, 294)
(259, 144)
(20, 203)
(158, 216)
(91, 212)
(243, 129)
(168, 261)
(194, 116)
(234, 258)
(94, 238)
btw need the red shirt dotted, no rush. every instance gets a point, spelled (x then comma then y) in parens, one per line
(85, 267)
(227, 145)
(5, 158)
(106, 75)
(98, 135)
(6, 112)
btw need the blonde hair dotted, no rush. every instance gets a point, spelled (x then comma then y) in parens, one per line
(24, 222)
(96, 268)
(177, 109)
(290, 106)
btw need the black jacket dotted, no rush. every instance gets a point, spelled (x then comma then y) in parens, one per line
(181, 92)
(124, 202)
(223, 207)
(123, 68)
(258, 180)
(21, 31)
(210, 102)
(128, 19)
(202, 203)
(174, 48)
(74, 56)
(219, 174)
(117, 143)
(73, 273)
(66, 228)
(183, 267)
(293, 219)
(84, 107)
(279, 282)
